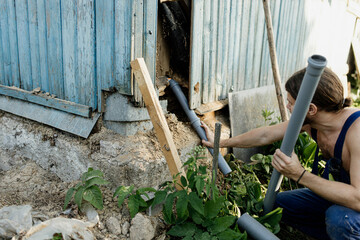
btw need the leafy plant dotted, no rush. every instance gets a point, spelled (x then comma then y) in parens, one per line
(199, 211)
(136, 202)
(245, 189)
(268, 117)
(87, 190)
(57, 236)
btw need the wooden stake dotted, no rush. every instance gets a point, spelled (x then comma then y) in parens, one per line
(274, 63)
(157, 117)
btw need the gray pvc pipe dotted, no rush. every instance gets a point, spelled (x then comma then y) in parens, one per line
(255, 229)
(315, 68)
(195, 122)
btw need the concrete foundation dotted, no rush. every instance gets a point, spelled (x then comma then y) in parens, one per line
(125, 160)
(124, 118)
(246, 113)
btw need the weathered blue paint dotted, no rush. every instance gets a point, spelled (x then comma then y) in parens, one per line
(75, 49)
(213, 52)
(150, 30)
(196, 53)
(13, 42)
(59, 119)
(86, 52)
(54, 48)
(206, 47)
(123, 19)
(229, 49)
(70, 46)
(34, 44)
(59, 104)
(137, 38)
(43, 49)
(5, 60)
(105, 27)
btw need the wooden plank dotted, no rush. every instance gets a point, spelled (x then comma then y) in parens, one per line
(243, 42)
(150, 30)
(69, 34)
(123, 46)
(2, 72)
(213, 48)
(259, 35)
(206, 55)
(236, 81)
(230, 81)
(157, 117)
(225, 52)
(13, 40)
(5, 57)
(56, 103)
(196, 60)
(210, 107)
(104, 46)
(105, 42)
(250, 52)
(220, 49)
(77, 125)
(137, 42)
(86, 52)
(54, 44)
(34, 44)
(43, 52)
(24, 44)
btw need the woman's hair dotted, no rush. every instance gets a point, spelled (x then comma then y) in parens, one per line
(329, 94)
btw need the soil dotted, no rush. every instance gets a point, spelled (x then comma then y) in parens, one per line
(45, 192)
(26, 183)
(29, 184)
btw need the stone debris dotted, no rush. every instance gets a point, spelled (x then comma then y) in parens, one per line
(69, 228)
(90, 213)
(125, 228)
(141, 228)
(15, 220)
(113, 225)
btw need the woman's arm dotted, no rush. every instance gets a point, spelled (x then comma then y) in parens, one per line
(253, 138)
(347, 195)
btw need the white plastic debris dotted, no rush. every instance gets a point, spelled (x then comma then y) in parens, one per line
(90, 212)
(14, 220)
(69, 228)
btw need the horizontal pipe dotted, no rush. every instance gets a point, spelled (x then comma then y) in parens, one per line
(315, 68)
(195, 122)
(255, 229)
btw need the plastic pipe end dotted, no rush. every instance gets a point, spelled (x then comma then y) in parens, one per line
(317, 61)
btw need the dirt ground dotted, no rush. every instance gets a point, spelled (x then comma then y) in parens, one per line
(45, 192)
(29, 184)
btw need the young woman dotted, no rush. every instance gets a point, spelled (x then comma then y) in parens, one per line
(324, 209)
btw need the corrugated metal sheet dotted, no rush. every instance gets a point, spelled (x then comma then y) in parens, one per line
(230, 51)
(75, 48)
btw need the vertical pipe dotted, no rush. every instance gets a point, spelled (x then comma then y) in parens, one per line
(195, 122)
(255, 229)
(316, 65)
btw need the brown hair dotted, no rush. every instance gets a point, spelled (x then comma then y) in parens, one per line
(329, 94)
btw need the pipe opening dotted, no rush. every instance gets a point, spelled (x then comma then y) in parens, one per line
(318, 58)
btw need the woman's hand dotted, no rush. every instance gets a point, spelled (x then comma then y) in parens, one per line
(209, 135)
(288, 166)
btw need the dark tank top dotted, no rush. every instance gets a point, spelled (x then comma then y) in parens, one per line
(334, 165)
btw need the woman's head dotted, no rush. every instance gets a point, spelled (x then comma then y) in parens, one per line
(329, 94)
